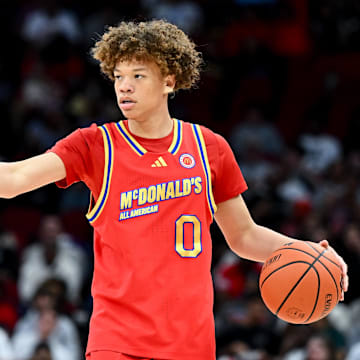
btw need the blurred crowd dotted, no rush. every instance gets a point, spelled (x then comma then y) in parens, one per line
(281, 84)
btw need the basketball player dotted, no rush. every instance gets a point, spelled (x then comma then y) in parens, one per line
(156, 183)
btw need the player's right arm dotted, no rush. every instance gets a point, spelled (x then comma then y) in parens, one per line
(23, 176)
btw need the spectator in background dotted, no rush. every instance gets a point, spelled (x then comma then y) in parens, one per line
(235, 278)
(42, 352)
(317, 341)
(256, 144)
(8, 305)
(318, 347)
(349, 247)
(43, 323)
(76, 199)
(8, 275)
(44, 23)
(96, 22)
(255, 131)
(6, 350)
(354, 352)
(251, 335)
(53, 255)
(292, 185)
(9, 261)
(294, 339)
(321, 150)
(186, 14)
(51, 64)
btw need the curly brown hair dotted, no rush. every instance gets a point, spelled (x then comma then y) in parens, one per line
(156, 40)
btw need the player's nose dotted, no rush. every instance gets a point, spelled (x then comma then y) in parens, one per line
(126, 86)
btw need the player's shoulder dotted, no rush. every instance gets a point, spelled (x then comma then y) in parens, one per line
(92, 133)
(86, 138)
(92, 129)
(213, 140)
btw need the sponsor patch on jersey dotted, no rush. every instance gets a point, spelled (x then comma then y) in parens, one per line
(187, 161)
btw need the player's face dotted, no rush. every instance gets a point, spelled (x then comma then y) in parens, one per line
(141, 90)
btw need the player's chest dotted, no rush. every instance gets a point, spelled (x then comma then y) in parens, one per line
(156, 168)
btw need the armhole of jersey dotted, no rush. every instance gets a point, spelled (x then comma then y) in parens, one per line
(206, 166)
(91, 202)
(96, 210)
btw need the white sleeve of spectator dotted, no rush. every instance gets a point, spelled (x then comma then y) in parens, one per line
(64, 341)
(6, 350)
(24, 340)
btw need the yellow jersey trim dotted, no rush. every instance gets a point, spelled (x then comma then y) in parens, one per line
(108, 168)
(130, 139)
(140, 150)
(177, 137)
(205, 163)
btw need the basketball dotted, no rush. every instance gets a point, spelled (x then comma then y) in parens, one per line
(301, 282)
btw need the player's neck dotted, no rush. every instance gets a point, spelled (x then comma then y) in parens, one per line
(152, 128)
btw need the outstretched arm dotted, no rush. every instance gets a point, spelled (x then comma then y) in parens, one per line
(252, 241)
(22, 176)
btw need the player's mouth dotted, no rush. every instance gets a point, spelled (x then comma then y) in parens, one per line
(127, 103)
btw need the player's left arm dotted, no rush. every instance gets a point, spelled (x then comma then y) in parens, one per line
(252, 241)
(246, 238)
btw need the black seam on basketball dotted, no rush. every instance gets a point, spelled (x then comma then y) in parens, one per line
(315, 249)
(322, 255)
(296, 284)
(313, 256)
(282, 266)
(333, 278)
(333, 262)
(317, 295)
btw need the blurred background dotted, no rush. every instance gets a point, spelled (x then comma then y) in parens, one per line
(281, 84)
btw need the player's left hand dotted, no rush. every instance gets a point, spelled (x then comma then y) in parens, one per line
(344, 268)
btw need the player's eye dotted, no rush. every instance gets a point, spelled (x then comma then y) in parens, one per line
(117, 77)
(139, 76)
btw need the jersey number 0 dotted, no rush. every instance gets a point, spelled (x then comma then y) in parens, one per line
(180, 236)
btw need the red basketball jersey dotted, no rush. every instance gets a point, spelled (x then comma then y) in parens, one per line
(152, 285)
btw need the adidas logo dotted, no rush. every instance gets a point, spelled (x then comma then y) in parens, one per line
(160, 162)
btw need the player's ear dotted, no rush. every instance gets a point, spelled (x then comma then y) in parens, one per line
(169, 84)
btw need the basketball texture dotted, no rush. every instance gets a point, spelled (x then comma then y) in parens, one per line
(301, 282)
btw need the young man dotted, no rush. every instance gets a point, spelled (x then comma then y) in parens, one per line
(156, 183)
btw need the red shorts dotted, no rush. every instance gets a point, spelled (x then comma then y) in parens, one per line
(112, 355)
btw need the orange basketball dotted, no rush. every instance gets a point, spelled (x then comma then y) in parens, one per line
(301, 282)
